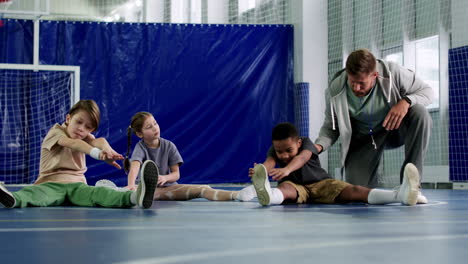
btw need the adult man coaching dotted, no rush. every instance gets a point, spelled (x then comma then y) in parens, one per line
(373, 105)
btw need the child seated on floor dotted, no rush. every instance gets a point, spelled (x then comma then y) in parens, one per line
(302, 179)
(63, 164)
(165, 155)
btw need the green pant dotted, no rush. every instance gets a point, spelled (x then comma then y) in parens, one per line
(80, 194)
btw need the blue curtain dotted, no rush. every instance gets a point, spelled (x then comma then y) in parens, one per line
(16, 41)
(215, 90)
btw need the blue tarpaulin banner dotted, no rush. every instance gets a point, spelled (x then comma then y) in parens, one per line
(215, 90)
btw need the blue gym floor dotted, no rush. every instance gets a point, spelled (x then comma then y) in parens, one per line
(201, 231)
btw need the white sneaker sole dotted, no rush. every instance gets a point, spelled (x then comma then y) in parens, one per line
(412, 177)
(261, 184)
(148, 182)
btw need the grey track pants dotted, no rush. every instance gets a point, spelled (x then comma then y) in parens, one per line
(362, 161)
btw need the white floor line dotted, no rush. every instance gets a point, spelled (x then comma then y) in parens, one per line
(191, 258)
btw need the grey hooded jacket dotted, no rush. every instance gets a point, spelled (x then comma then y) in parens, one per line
(395, 82)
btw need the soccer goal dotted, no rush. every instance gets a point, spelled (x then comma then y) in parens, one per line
(32, 99)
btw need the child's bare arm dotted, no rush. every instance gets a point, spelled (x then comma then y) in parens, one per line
(102, 144)
(171, 177)
(132, 174)
(296, 163)
(75, 144)
(269, 164)
(108, 155)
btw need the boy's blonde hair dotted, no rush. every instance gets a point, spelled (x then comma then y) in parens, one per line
(90, 107)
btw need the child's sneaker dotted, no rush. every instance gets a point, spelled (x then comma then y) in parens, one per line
(106, 183)
(421, 198)
(149, 180)
(6, 198)
(110, 184)
(261, 184)
(409, 189)
(246, 194)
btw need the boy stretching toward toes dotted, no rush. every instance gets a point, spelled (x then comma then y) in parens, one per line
(302, 179)
(61, 178)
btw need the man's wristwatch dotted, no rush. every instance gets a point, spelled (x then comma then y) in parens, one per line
(407, 99)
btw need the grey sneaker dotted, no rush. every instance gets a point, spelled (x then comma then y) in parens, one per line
(246, 194)
(261, 184)
(6, 198)
(149, 180)
(409, 189)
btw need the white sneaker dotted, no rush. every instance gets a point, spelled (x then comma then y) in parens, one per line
(149, 180)
(106, 183)
(421, 198)
(261, 184)
(110, 184)
(247, 194)
(409, 189)
(6, 198)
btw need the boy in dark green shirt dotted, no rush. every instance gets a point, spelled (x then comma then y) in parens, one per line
(301, 179)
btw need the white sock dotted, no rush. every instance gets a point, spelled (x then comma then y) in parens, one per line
(379, 196)
(246, 194)
(133, 198)
(277, 196)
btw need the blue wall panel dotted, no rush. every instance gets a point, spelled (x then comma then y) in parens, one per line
(458, 114)
(216, 90)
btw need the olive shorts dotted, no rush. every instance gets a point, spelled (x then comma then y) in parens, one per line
(324, 191)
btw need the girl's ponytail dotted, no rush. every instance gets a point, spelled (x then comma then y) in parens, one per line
(126, 163)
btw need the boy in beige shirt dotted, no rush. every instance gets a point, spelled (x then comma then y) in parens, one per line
(63, 164)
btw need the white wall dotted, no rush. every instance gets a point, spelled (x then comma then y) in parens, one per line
(72, 8)
(311, 58)
(459, 23)
(154, 11)
(217, 11)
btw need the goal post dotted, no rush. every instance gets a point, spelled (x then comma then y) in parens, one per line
(75, 70)
(32, 99)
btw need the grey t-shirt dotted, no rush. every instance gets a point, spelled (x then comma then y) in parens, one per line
(311, 172)
(165, 156)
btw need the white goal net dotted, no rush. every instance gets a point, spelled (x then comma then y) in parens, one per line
(30, 103)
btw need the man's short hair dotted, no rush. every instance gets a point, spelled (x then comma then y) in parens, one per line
(284, 131)
(360, 61)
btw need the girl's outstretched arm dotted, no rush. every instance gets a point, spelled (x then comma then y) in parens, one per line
(132, 175)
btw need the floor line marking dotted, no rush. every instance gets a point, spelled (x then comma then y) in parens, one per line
(254, 251)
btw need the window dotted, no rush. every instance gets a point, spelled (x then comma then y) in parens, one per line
(246, 5)
(195, 11)
(422, 56)
(427, 64)
(393, 55)
(183, 11)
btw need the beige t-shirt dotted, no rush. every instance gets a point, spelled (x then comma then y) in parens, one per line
(60, 164)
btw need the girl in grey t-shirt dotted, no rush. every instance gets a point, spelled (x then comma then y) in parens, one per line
(168, 159)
